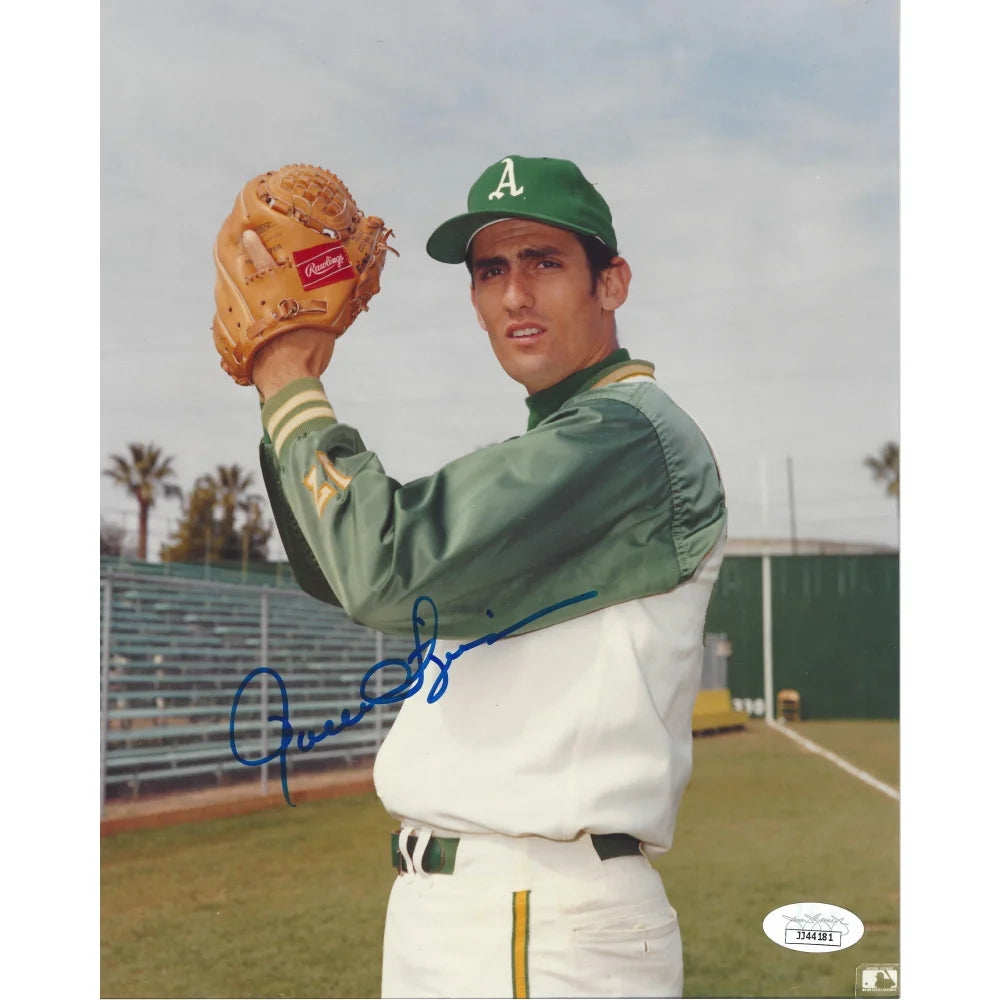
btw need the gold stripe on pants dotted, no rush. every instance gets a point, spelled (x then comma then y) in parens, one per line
(519, 944)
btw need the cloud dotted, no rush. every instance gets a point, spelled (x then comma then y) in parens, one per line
(749, 152)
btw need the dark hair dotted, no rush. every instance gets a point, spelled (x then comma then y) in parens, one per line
(599, 256)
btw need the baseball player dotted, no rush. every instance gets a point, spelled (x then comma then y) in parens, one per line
(556, 585)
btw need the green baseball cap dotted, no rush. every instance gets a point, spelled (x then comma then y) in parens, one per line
(523, 187)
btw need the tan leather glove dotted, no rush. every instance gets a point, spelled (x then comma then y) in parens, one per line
(295, 251)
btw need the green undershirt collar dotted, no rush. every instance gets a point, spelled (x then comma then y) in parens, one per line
(545, 402)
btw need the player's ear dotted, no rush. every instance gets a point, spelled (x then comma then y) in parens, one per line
(613, 282)
(479, 315)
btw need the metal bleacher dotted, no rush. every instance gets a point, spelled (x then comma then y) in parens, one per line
(175, 650)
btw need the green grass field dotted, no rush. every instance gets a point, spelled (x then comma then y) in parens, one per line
(290, 902)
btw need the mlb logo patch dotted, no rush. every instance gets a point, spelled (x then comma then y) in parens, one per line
(877, 981)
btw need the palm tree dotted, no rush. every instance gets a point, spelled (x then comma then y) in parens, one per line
(885, 466)
(230, 483)
(208, 527)
(145, 473)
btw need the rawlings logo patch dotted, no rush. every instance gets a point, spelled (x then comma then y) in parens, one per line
(322, 265)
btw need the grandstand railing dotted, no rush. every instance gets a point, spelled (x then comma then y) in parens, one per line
(174, 652)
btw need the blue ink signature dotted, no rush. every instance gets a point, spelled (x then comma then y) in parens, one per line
(414, 666)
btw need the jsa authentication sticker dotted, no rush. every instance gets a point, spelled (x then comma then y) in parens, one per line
(813, 927)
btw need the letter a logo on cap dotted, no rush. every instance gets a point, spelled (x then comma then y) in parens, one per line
(507, 181)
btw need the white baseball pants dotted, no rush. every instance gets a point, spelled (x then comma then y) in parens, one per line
(531, 917)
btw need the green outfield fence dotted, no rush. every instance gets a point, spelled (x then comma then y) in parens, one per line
(834, 629)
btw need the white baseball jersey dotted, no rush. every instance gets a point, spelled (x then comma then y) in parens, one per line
(585, 726)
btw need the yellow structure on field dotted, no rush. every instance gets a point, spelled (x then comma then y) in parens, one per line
(713, 710)
(789, 705)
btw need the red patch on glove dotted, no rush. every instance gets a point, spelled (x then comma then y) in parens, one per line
(322, 265)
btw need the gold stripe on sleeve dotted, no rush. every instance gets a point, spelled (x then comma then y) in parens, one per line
(309, 396)
(297, 420)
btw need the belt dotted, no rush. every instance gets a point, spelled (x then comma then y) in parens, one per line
(440, 853)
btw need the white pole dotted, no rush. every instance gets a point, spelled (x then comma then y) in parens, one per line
(765, 572)
(264, 656)
(762, 475)
(791, 505)
(765, 568)
(105, 683)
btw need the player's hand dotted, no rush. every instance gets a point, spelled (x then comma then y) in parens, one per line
(299, 354)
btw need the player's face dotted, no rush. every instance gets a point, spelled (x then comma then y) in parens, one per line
(533, 295)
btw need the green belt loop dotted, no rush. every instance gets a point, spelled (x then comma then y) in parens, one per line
(615, 845)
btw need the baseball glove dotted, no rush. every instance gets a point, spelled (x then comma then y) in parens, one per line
(295, 251)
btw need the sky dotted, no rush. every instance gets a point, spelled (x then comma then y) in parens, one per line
(749, 152)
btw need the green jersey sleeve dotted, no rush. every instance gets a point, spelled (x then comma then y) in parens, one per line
(584, 503)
